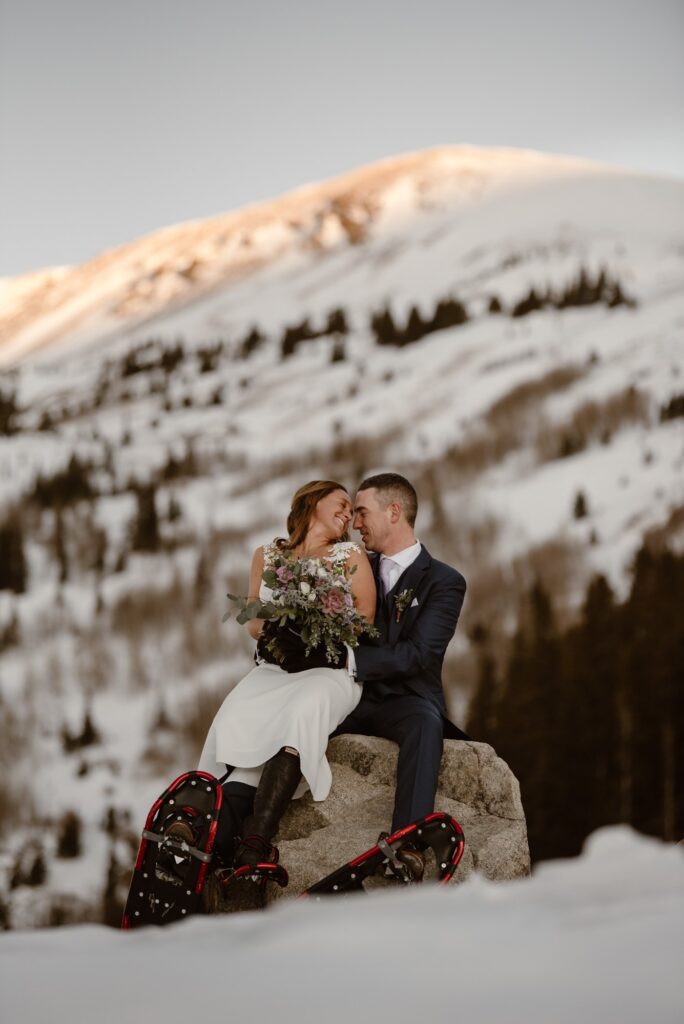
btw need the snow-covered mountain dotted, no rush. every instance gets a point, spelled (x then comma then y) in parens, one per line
(505, 327)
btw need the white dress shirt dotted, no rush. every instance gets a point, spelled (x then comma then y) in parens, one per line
(402, 560)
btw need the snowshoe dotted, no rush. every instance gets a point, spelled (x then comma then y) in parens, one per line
(437, 832)
(175, 852)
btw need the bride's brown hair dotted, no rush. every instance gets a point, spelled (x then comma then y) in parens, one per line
(303, 504)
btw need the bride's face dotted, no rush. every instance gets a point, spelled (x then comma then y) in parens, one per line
(334, 513)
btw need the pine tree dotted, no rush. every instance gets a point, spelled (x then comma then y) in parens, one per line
(384, 328)
(59, 544)
(532, 739)
(415, 328)
(202, 583)
(8, 411)
(13, 568)
(482, 719)
(69, 836)
(337, 322)
(580, 508)
(251, 343)
(146, 525)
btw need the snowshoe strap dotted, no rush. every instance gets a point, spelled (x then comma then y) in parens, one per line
(154, 837)
(391, 856)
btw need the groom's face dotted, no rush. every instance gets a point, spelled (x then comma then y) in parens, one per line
(373, 522)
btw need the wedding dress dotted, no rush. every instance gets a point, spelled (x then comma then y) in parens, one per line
(271, 708)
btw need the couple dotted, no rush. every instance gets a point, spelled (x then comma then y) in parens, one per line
(272, 730)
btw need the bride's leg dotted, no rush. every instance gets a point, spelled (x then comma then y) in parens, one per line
(279, 780)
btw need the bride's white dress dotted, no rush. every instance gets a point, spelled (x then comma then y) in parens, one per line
(270, 708)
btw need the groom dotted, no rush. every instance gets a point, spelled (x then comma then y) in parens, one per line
(419, 602)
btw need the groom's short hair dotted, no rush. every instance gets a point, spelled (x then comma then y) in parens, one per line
(393, 487)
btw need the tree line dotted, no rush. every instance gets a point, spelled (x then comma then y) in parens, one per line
(591, 718)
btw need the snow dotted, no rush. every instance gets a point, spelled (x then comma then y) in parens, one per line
(599, 938)
(466, 221)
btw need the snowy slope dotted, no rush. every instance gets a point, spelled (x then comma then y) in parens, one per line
(136, 363)
(597, 939)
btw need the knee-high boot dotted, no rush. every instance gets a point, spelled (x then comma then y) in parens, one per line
(279, 780)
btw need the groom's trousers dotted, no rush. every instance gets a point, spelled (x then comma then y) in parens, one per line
(417, 726)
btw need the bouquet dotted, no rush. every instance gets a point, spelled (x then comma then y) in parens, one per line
(312, 599)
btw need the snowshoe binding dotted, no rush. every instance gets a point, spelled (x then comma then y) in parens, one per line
(243, 886)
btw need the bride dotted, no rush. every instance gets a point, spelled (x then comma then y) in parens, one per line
(272, 729)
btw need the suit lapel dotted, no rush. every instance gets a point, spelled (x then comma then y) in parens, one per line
(381, 616)
(410, 579)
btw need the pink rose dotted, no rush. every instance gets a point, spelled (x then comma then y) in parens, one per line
(332, 603)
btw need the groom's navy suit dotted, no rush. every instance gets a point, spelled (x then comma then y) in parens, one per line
(401, 672)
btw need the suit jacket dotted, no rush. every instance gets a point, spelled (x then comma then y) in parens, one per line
(408, 655)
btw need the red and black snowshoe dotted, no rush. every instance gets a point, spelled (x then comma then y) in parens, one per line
(175, 852)
(438, 832)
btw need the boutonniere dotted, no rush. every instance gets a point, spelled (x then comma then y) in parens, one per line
(401, 602)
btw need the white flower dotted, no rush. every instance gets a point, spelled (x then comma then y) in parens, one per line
(322, 572)
(305, 587)
(312, 596)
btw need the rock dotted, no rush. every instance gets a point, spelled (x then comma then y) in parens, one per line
(475, 786)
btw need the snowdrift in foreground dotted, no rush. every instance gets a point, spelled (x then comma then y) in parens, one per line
(599, 938)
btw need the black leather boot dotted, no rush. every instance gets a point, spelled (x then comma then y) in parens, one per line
(279, 780)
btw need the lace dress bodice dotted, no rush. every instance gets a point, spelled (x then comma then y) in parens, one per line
(339, 553)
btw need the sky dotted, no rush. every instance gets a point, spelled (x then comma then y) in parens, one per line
(120, 118)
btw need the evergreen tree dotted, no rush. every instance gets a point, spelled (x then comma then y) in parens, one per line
(338, 354)
(8, 411)
(580, 509)
(448, 313)
(337, 322)
(69, 836)
(415, 328)
(59, 544)
(594, 670)
(531, 717)
(13, 568)
(146, 525)
(655, 627)
(384, 328)
(251, 343)
(483, 710)
(202, 584)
